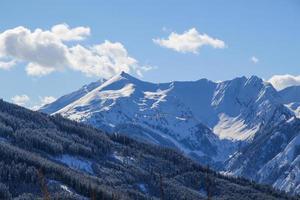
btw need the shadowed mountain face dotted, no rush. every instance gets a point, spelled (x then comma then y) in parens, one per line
(52, 157)
(210, 122)
(291, 98)
(273, 157)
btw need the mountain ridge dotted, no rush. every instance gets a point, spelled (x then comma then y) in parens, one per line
(208, 121)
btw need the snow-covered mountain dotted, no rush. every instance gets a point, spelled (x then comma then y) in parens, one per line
(210, 122)
(46, 157)
(273, 157)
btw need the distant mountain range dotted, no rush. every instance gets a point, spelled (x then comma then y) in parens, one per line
(242, 127)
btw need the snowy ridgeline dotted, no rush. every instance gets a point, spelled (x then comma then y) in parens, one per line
(76, 163)
(209, 121)
(174, 114)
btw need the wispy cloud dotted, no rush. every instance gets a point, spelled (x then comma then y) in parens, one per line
(166, 29)
(254, 59)
(7, 64)
(189, 41)
(47, 51)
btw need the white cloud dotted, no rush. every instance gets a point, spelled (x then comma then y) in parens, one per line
(43, 101)
(47, 99)
(63, 32)
(282, 81)
(166, 29)
(254, 59)
(46, 51)
(102, 60)
(24, 100)
(20, 100)
(7, 65)
(37, 70)
(189, 41)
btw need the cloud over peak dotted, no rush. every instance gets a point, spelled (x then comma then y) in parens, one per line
(189, 41)
(283, 81)
(46, 51)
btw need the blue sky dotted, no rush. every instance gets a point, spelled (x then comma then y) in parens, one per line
(265, 29)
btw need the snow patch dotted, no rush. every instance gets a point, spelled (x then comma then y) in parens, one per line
(159, 96)
(294, 107)
(123, 159)
(142, 187)
(2, 139)
(64, 187)
(76, 163)
(233, 128)
(181, 118)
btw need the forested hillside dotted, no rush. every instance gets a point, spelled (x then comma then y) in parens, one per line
(45, 157)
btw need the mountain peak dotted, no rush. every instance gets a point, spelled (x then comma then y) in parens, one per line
(125, 75)
(254, 81)
(125, 78)
(255, 78)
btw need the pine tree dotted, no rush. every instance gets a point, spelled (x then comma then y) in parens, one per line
(161, 187)
(208, 183)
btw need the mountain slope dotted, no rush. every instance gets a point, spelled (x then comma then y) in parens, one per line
(51, 157)
(272, 158)
(124, 101)
(210, 122)
(67, 99)
(201, 118)
(291, 98)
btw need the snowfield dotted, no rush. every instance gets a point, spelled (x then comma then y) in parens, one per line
(76, 163)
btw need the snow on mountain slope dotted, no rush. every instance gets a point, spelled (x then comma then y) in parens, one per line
(243, 105)
(234, 128)
(211, 122)
(124, 101)
(201, 118)
(289, 161)
(272, 158)
(69, 98)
